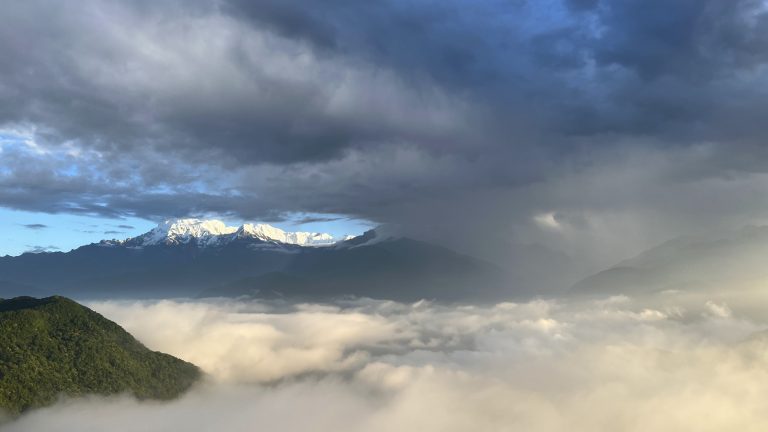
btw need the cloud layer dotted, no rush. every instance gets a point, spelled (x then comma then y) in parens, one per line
(612, 364)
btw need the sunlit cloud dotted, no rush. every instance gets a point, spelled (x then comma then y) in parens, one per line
(607, 364)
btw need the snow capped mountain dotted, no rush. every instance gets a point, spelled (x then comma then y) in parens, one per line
(193, 257)
(181, 231)
(212, 232)
(269, 233)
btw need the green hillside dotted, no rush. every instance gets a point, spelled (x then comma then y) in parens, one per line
(53, 346)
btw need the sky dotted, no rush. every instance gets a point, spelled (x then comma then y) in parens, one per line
(588, 129)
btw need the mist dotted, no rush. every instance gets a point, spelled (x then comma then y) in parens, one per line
(668, 363)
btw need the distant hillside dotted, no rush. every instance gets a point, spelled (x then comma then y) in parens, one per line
(54, 346)
(398, 269)
(731, 261)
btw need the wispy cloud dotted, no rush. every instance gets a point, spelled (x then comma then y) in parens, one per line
(35, 226)
(315, 219)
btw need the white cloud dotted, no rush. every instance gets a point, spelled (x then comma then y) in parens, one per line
(547, 221)
(615, 364)
(718, 310)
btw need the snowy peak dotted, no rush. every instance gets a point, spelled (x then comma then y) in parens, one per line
(195, 227)
(181, 231)
(269, 233)
(214, 232)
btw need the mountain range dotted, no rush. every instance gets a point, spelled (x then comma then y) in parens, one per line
(729, 261)
(193, 257)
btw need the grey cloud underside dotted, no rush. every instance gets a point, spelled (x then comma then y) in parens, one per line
(35, 226)
(315, 219)
(478, 114)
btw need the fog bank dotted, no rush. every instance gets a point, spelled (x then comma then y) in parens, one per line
(670, 364)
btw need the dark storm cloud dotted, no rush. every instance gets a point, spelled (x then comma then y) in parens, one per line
(626, 66)
(293, 19)
(216, 86)
(453, 41)
(581, 5)
(690, 39)
(459, 114)
(681, 71)
(315, 219)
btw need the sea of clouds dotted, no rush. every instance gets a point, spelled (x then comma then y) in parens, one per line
(674, 363)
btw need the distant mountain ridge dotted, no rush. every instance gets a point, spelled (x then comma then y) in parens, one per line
(731, 260)
(191, 257)
(207, 233)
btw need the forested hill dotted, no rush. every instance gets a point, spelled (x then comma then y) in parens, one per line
(54, 346)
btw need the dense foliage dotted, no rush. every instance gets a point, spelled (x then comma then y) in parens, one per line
(55, 346)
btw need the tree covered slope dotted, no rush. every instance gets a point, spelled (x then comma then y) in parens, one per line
(54, 346)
